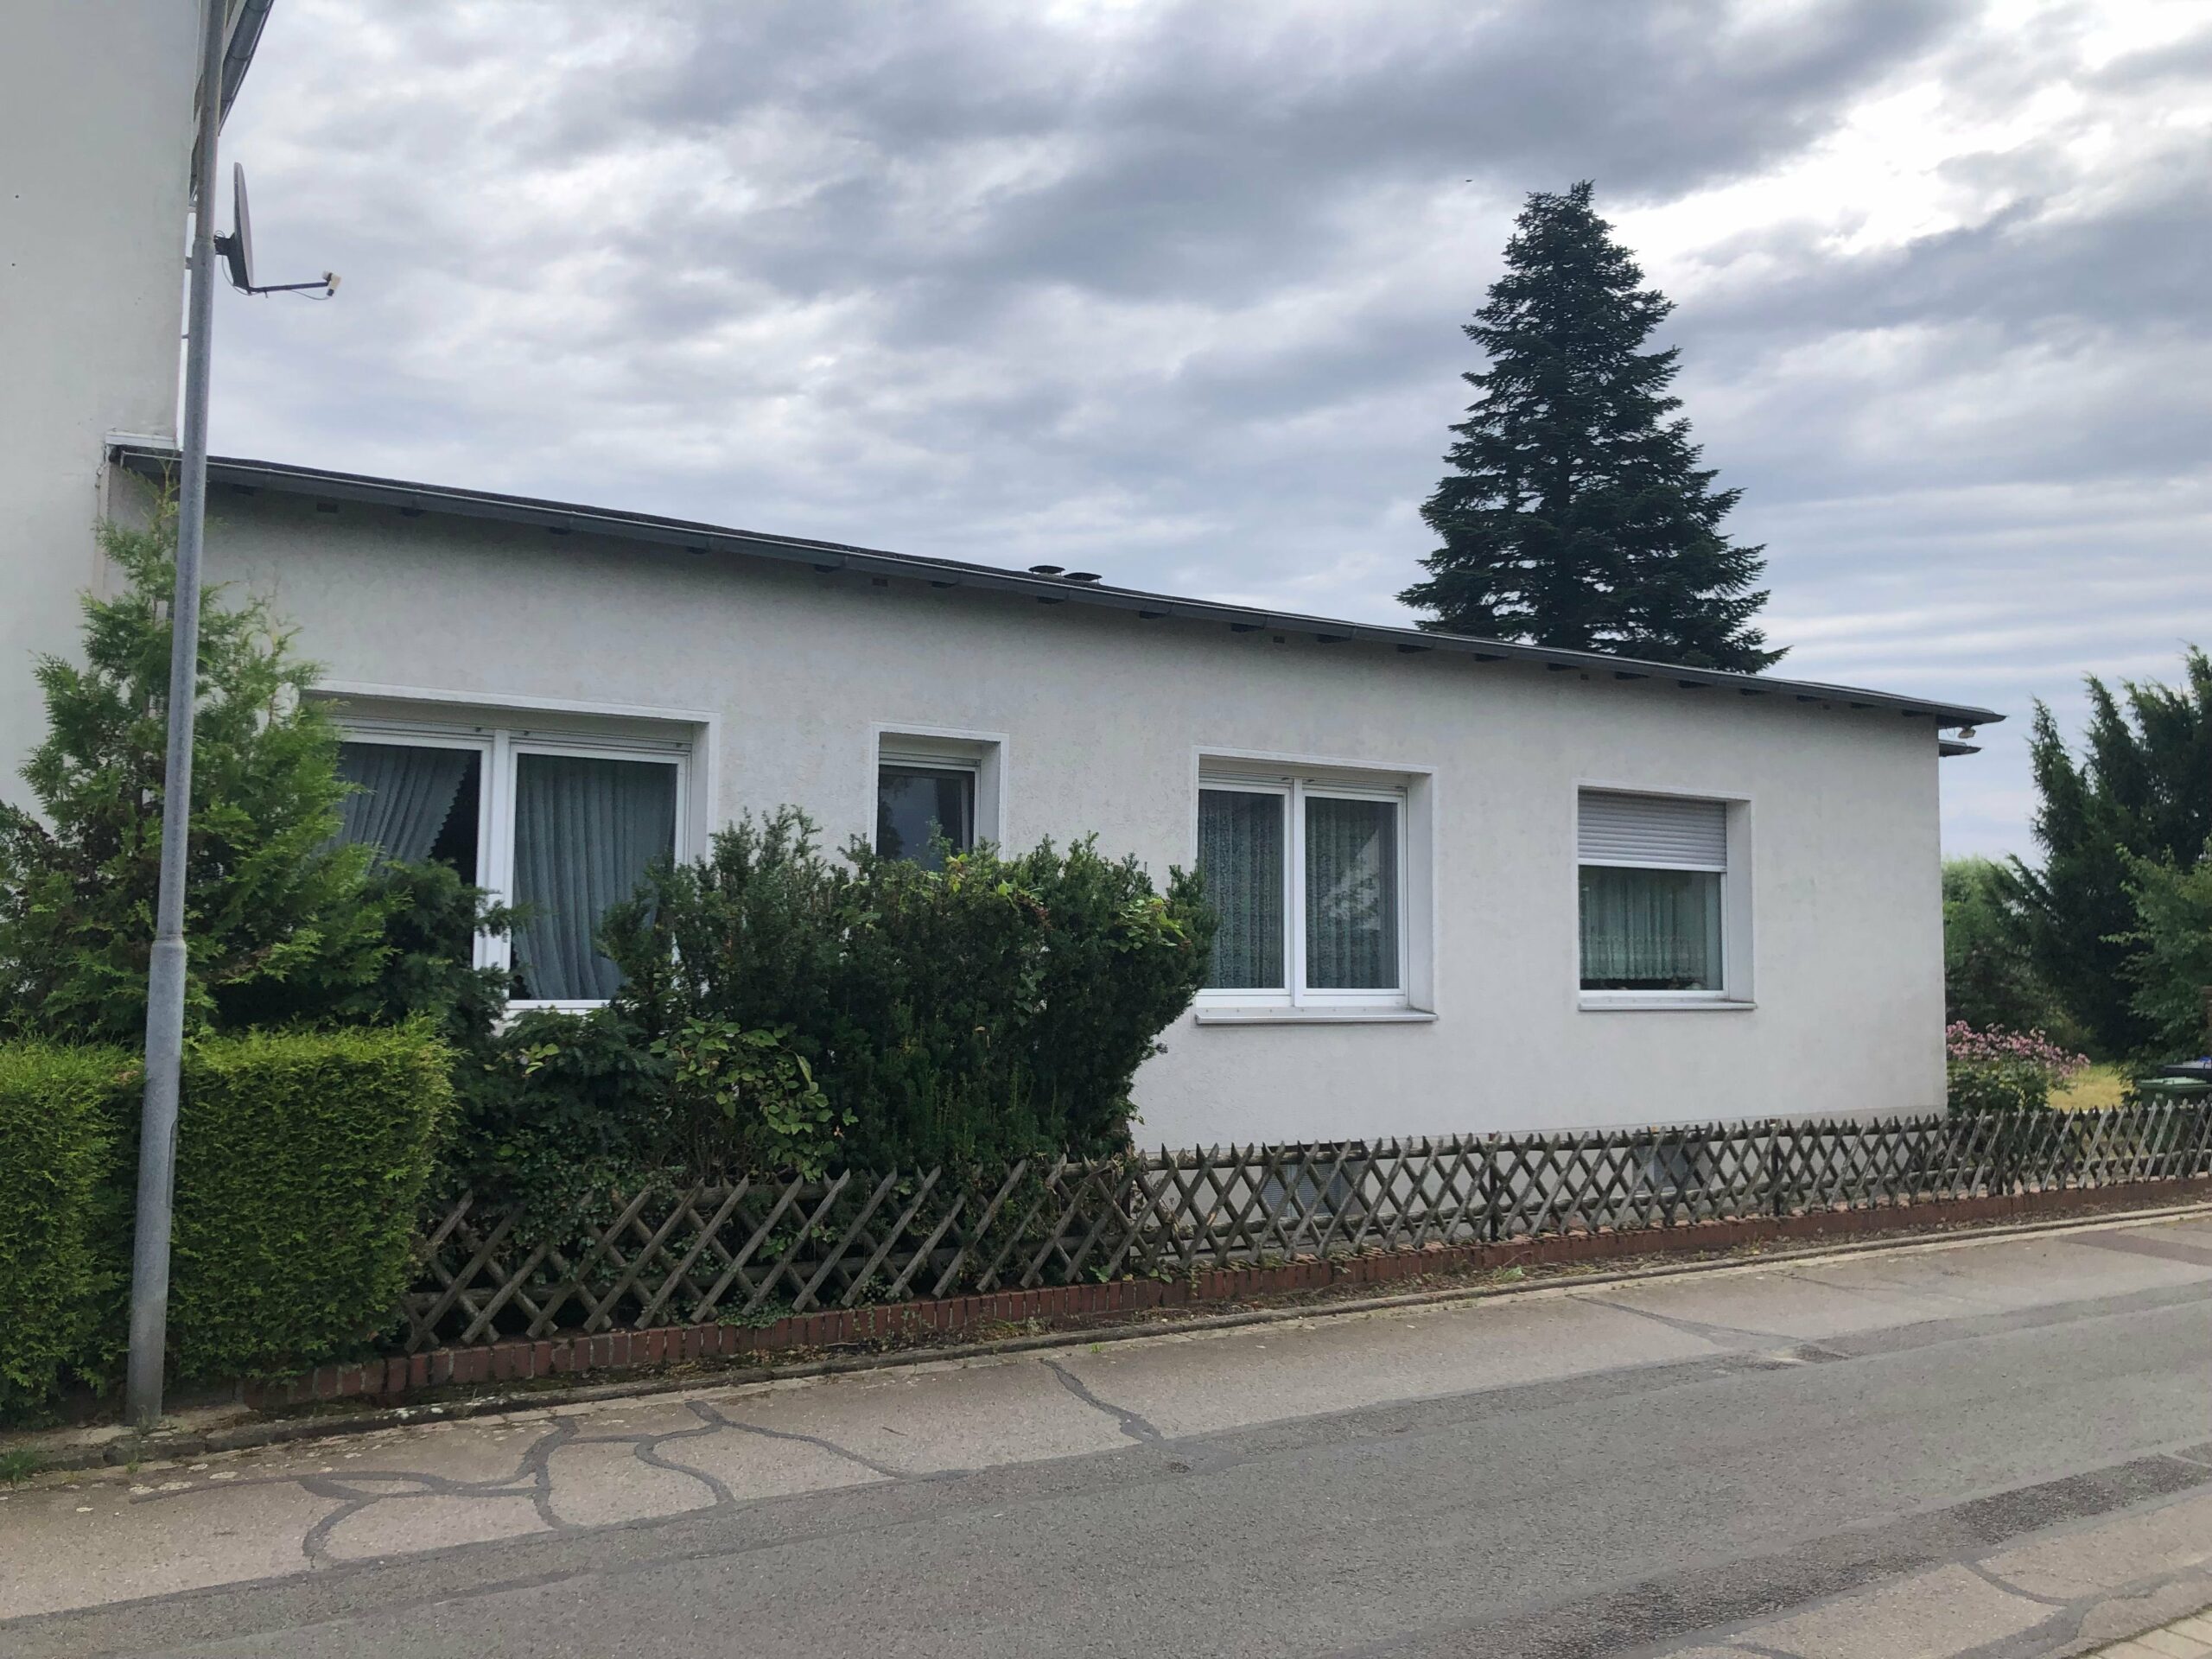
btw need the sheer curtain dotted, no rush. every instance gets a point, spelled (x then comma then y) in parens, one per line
(1651, 929)
(1241, 858)
(585, 831)
(406, 791)
(1351, 894)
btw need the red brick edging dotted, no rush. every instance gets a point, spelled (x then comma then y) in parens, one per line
(521, 1359)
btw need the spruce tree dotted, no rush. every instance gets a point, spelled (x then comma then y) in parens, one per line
(1576, 514)
(280, 922)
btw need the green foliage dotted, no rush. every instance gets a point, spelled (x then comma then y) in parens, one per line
(2142, 789)
(992, 1008)
(2172, 964)
(558, 1109)
(301, 1161)
(270, 903)
(747, 1101)
(1988, 979)
(1576, 514)
(53, 1152)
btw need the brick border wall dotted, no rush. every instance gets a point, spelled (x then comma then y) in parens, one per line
(521, 1359)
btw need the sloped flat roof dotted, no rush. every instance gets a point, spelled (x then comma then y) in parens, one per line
(562, 518)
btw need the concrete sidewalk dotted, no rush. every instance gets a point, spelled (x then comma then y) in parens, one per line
(1991, 1448)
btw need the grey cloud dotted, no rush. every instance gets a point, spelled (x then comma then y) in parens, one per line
(1178, 297)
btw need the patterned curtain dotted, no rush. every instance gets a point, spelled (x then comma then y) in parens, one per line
(406, 791)
(1351, 894)
(585, 831)
(1651, 929)
(1240, 856)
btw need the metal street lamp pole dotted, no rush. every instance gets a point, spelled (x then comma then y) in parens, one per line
(165, 980)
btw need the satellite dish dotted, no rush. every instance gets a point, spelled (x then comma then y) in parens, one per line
(236, 249)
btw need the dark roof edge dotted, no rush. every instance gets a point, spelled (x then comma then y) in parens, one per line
(252, 16)
(151, 461)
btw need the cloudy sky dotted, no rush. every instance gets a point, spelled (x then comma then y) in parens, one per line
(1174, 291)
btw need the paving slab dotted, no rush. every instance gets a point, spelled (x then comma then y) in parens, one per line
(1928, 1616)
(2149, 1544)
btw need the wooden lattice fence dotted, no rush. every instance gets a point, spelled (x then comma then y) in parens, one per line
(755, 1249)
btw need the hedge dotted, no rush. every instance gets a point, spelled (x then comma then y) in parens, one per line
(302, 1158)
(54, 1152)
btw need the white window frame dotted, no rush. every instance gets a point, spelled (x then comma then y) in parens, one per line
(1295, 997)
(943, 748)
(1734, 991)
(500, 739)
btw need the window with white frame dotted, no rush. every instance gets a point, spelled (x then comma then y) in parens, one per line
(1306, 875)
(1654, 894)
(559, 826)
(935, 792)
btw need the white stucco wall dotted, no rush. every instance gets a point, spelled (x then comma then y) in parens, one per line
(95, 150)
(1104, 714)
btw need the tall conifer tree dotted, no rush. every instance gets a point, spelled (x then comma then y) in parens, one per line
(1576, 514)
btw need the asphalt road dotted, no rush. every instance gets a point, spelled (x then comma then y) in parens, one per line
(1619, 1471)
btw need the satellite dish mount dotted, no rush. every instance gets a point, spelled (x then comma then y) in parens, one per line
(236, 249)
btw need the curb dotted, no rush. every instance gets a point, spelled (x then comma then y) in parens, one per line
(123, 1448)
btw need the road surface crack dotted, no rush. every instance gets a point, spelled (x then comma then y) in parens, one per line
(1130, 1422)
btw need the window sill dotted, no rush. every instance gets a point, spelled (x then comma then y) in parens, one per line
(1599, 1002)
(1324, 1016)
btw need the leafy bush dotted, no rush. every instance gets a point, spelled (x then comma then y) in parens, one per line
(2004, 1071)
(784, 1011)
(993, 1008)
(53, 1153)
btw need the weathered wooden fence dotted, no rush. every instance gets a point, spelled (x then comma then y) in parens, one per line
(759, 1249)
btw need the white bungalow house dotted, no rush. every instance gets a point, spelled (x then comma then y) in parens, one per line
(1465, 885)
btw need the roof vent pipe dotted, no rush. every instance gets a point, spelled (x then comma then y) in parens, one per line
(1046, 569)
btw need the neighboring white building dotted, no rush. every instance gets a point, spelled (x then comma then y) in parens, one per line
(1466, 885)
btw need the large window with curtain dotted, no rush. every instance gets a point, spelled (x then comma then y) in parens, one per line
(1305, 876)
(1653, 874)
(558, 829)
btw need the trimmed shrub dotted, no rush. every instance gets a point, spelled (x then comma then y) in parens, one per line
(302, 1158)
(784, 1011)
(54, 1155)
(997, 1007)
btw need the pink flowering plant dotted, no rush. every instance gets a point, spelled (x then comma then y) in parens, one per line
(1993, 1071)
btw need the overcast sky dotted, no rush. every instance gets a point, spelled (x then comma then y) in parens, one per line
(1174, 291)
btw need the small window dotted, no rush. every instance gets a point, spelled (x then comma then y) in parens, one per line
(1653, 877)
(1305, 878)
(920, 809)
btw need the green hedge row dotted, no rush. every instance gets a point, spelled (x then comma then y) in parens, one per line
(302, 1159)
(56, 1145)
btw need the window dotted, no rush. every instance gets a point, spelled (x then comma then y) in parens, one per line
(1653, 877)
(1307, 877)
(933, 785)
(919, 809)
(561, 828)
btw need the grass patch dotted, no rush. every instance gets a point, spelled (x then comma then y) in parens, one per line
(17, 1465)
(2095, 1089)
